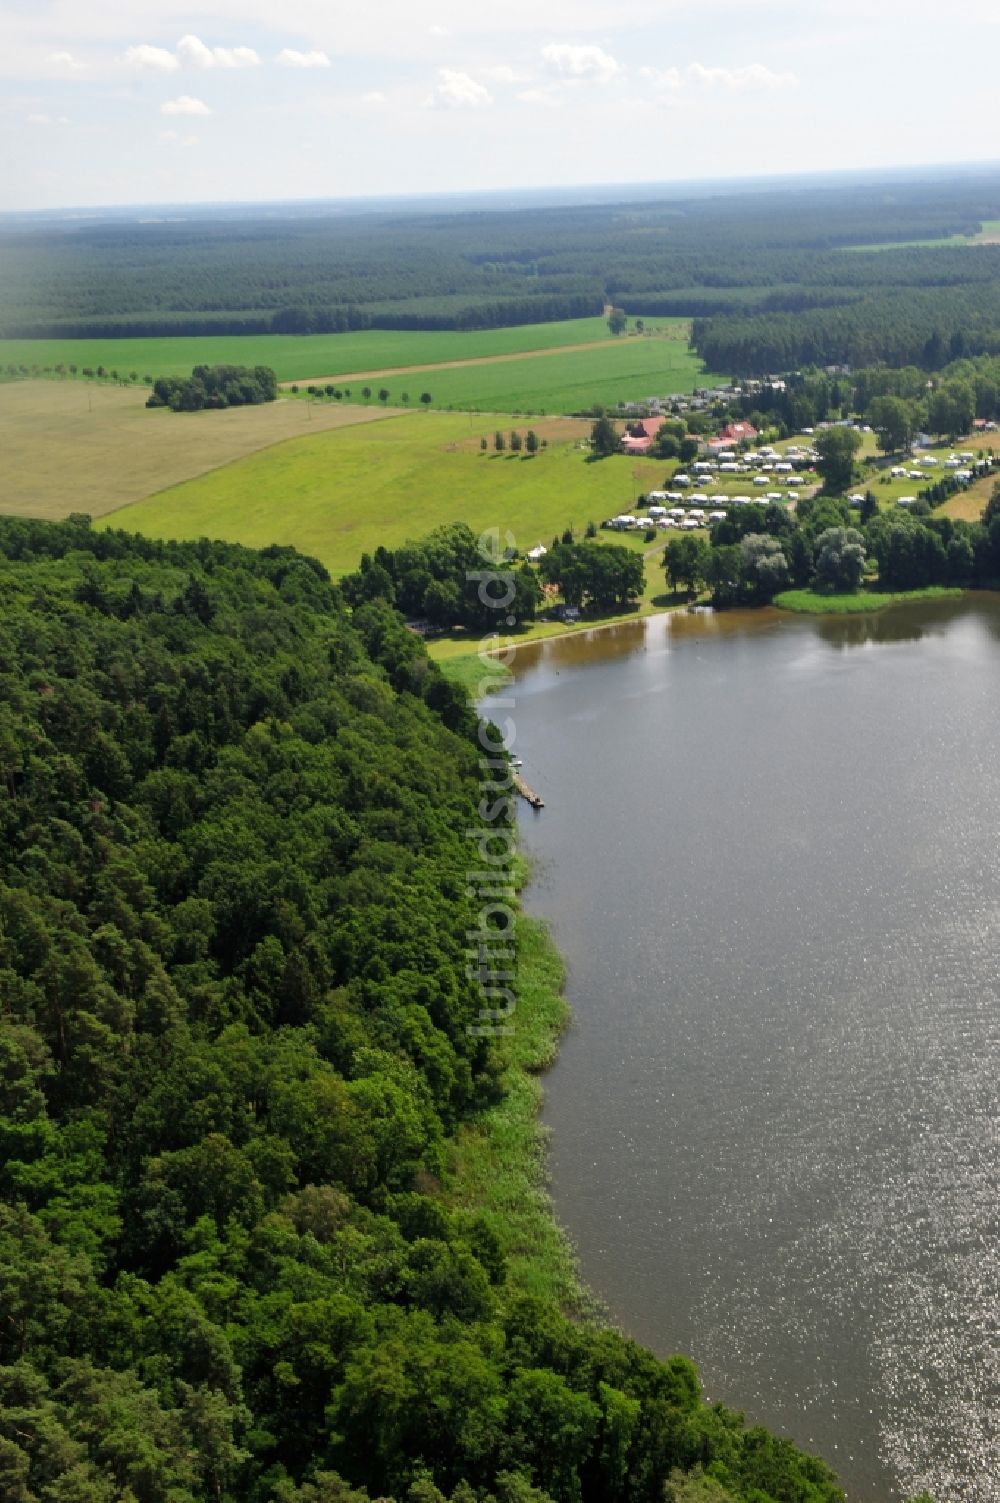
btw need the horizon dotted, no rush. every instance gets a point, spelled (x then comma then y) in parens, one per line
(569, 195)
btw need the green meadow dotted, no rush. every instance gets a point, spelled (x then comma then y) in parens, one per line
(551, 376)
(338, 494)
(624, 370)
(306, 356)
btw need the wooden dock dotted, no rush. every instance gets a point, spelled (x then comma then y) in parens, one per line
(528, 794)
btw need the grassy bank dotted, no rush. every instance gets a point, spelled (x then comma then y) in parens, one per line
(477, 676)
(812, 603)
(498, 1166)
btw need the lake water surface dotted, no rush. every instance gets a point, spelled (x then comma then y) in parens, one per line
(770, 853)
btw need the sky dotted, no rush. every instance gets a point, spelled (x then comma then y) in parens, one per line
(163, 101)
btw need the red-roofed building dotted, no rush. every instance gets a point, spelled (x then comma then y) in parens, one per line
(644, 427)
(738, 433)
(639, 434)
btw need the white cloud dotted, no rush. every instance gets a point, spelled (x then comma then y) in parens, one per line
(66, 60)
(288, 57)
(38, 117)
(739, 80)
(193, 51)
(174, 138)
(374, 98)
(438, 31)
(185, 105)
(458, 91)
(581, 61)
(157, 58)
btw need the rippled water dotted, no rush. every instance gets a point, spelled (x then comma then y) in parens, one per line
(771, 855)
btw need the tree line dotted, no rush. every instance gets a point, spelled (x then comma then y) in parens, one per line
(759, 551)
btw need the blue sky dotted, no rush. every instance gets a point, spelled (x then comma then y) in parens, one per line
(162, 101)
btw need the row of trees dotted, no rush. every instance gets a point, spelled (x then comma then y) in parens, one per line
(529, 442)
(343, 393)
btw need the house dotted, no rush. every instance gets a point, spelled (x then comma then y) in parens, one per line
(738, 433)
(534, 554)
(639, 434)
(647, 427)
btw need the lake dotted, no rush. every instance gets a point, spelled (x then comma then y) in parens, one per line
(770, 856)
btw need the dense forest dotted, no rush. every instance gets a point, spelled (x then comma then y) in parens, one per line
(767, 273)
(239, 1035)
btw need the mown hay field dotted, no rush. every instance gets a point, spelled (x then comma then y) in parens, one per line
(78, 446)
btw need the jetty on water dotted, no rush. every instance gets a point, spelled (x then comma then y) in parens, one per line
(528, 794)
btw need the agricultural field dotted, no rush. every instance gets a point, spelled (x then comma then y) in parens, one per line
(560, 367)
(989, 234)
(943, 241)
(336, 495)
(306, 357)
(79, 446)
(564, 381)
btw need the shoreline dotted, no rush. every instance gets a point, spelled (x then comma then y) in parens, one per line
(499, 1162)
(467, 667)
